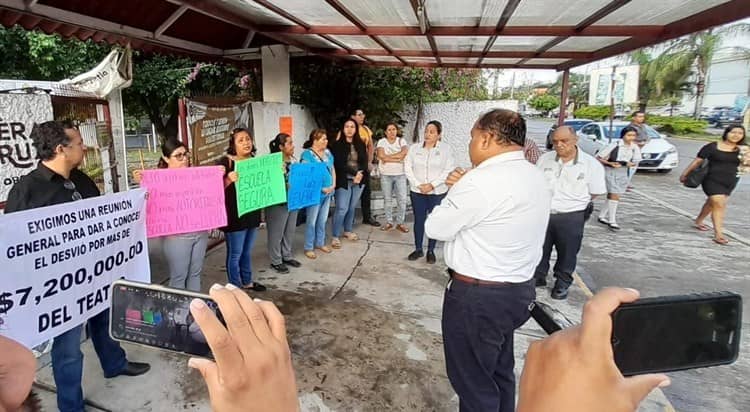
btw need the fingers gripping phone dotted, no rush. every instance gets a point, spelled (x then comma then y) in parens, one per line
(667, 333)
(157, 316)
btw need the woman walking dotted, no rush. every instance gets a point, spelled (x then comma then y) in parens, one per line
(427, 165)
(184, 252)
(317, 215)
(391, 153)
(723, 169)
(617, 157)
(350, 163)
(240, 231)
(280, 222)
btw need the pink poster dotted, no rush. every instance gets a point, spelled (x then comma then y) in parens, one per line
(184, 200)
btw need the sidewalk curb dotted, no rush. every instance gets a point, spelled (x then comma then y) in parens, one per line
(578, 280)
(675, 209)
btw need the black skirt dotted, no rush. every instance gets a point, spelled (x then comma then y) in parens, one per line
(713, 187)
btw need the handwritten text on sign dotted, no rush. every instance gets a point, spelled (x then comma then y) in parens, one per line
(184, 200)
(261, 183)
(306, 184)
(58, 262)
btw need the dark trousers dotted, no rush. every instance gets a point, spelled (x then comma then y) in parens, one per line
(564, 233)
(478, 324)
(422, 206)
(67, 360)
(366, 200)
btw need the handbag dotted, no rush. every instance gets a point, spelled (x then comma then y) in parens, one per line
(696, 176)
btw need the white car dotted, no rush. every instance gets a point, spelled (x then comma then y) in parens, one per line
(658, 153)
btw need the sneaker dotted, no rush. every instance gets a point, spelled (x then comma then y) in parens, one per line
(559, 291)
(280, 268)
(431, 257)
(415, 255)
(257, 287)
(614, 226)
(603, 221)
(292, 262)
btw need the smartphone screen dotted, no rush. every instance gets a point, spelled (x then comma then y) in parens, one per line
(675, 333)
(159, 317)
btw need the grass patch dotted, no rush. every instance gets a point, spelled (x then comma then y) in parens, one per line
(704, 137)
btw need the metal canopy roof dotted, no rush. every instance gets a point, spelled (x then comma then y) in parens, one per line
(534, 34)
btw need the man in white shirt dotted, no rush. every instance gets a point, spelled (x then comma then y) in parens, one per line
(493, 223)
(575, 178)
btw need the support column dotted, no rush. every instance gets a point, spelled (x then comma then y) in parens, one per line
(564, 97)
(276, 86)
(117, 119)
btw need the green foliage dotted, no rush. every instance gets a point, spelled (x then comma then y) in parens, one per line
(32, 55)
(595, 113)
(544, 103)
(677, 124)
(332, 92)
(578, 89)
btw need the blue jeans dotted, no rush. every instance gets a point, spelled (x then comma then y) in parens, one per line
(315, 225)
(389, 183)
(346, 207)
(239, 248)
(423, 205)
(67, 360)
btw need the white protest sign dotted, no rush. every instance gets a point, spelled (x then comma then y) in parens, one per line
(57, 262)
(18, 113)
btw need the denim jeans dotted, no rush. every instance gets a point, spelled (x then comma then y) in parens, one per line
(315, 225)
(67, 360)
(423, 205)
(239, 250)
(394, 185)
(185, 254)
(346, 207)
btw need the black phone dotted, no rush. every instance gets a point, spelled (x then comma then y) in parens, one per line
(674, 333)
(158, 316)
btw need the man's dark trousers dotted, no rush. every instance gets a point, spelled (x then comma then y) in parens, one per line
(565, 233)
(366, 200)
(478, 324)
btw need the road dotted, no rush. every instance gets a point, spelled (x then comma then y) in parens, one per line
(659, 253)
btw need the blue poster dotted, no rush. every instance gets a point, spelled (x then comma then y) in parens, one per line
(305, 184)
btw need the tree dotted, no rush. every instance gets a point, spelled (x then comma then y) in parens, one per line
(544, 103)
(662, 78)
(578, 89)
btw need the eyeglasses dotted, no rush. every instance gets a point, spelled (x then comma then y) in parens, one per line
(72, 186)
(181, 156)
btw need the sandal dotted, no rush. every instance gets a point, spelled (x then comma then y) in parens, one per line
(336, 243)
(324, 249)
(310, 254)
(387, 227)
(351, 236)
(402, 228)
(702, 227)
(721, 241)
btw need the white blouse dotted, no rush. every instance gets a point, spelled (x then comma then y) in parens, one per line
(432, 166)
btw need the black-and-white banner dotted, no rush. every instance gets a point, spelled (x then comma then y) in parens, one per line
(57, 263)
(18, 113)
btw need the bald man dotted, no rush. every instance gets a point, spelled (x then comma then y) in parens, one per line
(575, 179)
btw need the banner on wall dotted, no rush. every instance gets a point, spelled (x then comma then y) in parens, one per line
(18, 113)
(210, 126)
(59, 262)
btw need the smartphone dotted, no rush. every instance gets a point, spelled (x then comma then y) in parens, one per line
(674, 333)
(157, 316)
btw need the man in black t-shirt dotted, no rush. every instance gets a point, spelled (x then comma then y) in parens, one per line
(57, 180)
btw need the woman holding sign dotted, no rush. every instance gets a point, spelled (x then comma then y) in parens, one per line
(280, 222)
(317, 215)
(184, 252)
(240, 231)
(350, 162)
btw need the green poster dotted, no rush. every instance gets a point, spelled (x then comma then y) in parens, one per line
(260, 183)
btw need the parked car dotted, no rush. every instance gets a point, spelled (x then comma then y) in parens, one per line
(576, 124)
(722, 118)
(658, 153)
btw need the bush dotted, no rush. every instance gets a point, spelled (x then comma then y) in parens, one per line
(677, 124)
(595, 113)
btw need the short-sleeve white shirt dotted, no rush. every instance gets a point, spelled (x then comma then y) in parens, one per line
(572, 183)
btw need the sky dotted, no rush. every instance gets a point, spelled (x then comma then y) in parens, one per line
(527, 76)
